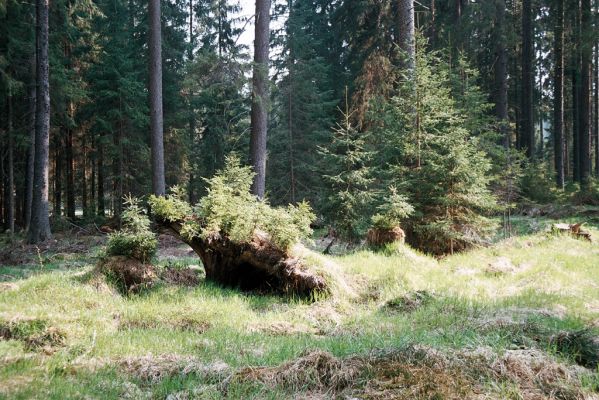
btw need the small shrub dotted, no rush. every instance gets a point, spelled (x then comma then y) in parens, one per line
(394, 209)
(230, 209)
(135, 240)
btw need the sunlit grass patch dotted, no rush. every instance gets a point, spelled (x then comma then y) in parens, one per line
(530, 293)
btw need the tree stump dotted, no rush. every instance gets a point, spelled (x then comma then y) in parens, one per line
(251, 265)
(572, 229)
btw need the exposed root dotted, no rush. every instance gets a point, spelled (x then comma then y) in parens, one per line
(253, 265)
(377, 237)
(129, 274)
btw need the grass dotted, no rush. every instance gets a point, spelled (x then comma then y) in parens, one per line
(520, 293)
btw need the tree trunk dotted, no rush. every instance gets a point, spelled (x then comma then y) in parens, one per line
(501, 82)
(596, 110)
(100, 178)
(253, 265)
(57, 176)
(260, 98)
(575, 120)
(527, 125)
(586, 44)
(70, 172)
(192, 121)
(31, 144)
(432, 30)
(11, 168)
(558, 95)
(574, 70)
(39, 229)
(83, 187)
(156, 117)
(406, 32)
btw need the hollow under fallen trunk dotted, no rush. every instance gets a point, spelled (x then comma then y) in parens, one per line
(252, 265)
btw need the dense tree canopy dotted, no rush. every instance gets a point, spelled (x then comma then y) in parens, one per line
(462, 106)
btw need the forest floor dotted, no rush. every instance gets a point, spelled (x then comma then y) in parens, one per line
(516, 320)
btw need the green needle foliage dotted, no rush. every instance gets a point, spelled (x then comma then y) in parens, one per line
(349, 174)
(437, 161)
(230, 210)
(392, 211)
(136, 239)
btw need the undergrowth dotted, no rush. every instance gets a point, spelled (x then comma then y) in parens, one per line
(539, 303)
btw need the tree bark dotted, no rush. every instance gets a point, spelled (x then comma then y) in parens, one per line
(11, 167)
(575, 119)
(501, 74)
(586, 44)
(260, 98)
(156, 115)
(57, 203)
(558, 95)
(596, 110)
(70, 174)
(527, 125)
(575, 79)
(100, 177)
(31, 145)
(253, 265)
(406, 32)
(39, 229)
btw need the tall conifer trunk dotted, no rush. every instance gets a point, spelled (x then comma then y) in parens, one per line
(596, 110)
(39, 229)
(31, 145)
(558, 95)
(260, 97)
(11, 167)
(501, 82)
(406, 31)
(586, 54)
(156, 116)
(527, 124)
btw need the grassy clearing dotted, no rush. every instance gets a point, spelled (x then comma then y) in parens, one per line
(507, 302)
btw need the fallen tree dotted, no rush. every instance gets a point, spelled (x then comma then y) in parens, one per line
(241, 240)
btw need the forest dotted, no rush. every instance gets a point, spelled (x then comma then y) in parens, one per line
(353, 199)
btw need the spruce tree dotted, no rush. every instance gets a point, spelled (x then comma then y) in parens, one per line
(438, 163)
(349, 174)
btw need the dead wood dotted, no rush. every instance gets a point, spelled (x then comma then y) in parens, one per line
(253, 265)
(573, 229)
(378, 237)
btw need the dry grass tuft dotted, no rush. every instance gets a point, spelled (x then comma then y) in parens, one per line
(155, 368)
(182, 324)
(181, 276)
(409, 302)
(537, 376)
(583, 345)
(35, 334)
(315, 369)
(419, 372)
